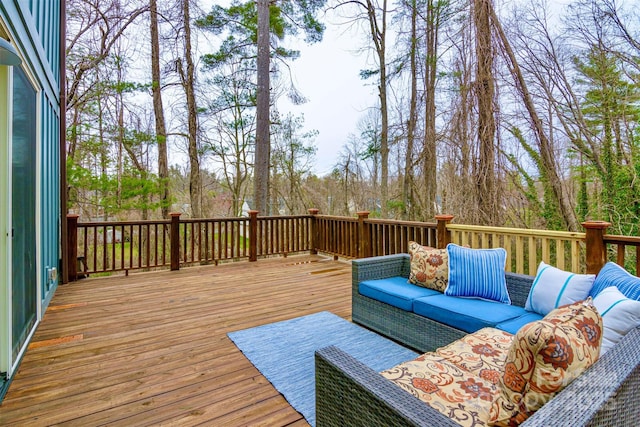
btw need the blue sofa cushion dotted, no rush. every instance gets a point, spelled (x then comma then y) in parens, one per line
(395, 291)
(466, 314)
(513, 325)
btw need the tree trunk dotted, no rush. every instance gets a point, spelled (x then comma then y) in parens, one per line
(378, 33)
(546, 149)
(485, 90)
(429, 147)
(161, 131)
(407, 185)
(195, 183)
(263, 141)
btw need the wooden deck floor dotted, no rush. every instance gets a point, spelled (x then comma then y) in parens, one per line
(151, 348)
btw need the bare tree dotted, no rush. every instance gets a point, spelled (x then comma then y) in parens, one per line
(188, 83)
(263, 137)
(545, 148)
(158, 109)
(408, 204)
(429, 158)
(487, 193)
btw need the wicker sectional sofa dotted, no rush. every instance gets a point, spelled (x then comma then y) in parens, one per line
(349, 394)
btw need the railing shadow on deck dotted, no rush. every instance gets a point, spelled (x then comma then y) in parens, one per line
(122, 246)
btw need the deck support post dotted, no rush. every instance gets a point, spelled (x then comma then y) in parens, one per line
(596, 249)
(72, 247)
(313, 237)
(174, 237)
(364, 238)
(253, 235)
(443, 235)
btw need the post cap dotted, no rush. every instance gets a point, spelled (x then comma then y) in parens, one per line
(596, 224)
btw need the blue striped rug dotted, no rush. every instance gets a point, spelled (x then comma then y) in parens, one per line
(284, 353)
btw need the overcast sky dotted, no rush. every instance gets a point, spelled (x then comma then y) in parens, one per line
(327, 74)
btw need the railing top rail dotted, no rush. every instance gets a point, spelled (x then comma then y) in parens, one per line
(337, 218)
(284, 217)
(120, 223)
(565, 235)
(617, 239)
(220, 219)
(400, 222)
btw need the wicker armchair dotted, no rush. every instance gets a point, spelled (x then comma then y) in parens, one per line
(348, 393)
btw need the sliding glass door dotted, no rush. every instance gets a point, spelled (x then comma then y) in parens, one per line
(24, 291)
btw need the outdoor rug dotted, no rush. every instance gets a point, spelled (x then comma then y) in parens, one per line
(284, 353)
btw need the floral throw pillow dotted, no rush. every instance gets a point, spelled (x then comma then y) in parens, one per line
(429, 267)
(545, 356)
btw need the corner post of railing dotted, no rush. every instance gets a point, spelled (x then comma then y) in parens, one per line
(596, 249)
(174, 237)
(443, 235)
(313, 237)
(253, 235)
(364, 247)
(72, 245)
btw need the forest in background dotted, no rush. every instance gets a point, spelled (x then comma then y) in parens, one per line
(500, 113)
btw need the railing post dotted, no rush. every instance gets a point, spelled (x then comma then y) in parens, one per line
(443, 235)
(253, 235)
(174, 237)
(313, 238)
(363, 236)
(72, 245)
(596, 250)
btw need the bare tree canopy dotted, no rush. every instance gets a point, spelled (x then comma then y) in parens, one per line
(524, 115)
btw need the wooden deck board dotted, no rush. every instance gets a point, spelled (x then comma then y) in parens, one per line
(151, 348)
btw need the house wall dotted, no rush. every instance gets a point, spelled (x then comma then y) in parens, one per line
(33, 28)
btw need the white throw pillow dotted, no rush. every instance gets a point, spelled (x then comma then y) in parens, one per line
(619, 315)
(553, 288)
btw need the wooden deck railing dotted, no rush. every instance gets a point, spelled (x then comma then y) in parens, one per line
(526, 248)
(106, 247)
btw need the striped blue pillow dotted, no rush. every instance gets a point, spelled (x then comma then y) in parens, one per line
(553, 288)
(614, 275)
(477, 273)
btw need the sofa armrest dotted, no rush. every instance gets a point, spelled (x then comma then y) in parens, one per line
(380, 267)
(349, 393)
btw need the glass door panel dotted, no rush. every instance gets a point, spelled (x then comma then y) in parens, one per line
(23, 210)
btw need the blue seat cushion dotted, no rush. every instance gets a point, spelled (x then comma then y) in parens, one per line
(467, 314)
(395, 291)
(513, 325)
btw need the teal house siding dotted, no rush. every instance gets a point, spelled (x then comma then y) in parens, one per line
(50, 198)
(30, 202)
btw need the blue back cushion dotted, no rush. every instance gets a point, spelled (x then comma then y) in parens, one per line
(395, 291)
(614, 275)
(477, 273)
